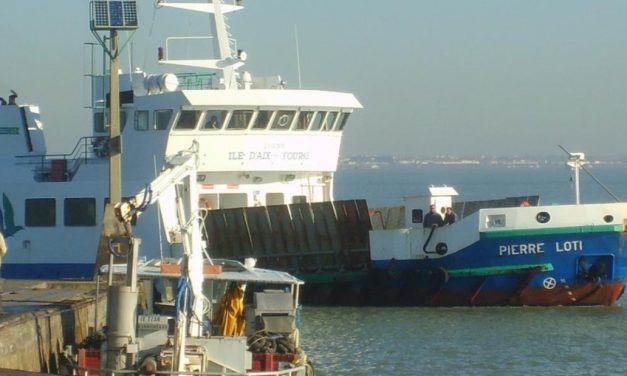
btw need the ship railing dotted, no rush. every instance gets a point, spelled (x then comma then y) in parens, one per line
(196, 81)
(63, 167)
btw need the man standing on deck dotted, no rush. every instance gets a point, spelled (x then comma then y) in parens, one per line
(432, 218)
(3, 251)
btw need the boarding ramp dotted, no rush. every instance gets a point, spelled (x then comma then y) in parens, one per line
(307, 237)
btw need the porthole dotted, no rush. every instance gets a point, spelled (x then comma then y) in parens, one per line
(543, 217)
(608, 218)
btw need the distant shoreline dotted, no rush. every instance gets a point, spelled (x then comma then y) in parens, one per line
(375, 162)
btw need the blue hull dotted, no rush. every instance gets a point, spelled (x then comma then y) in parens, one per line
(562, 252)
(547, 270)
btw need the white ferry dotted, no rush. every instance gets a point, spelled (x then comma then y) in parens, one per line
(259, 144)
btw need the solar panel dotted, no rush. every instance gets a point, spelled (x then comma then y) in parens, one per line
(114, 14)
(100, 13)
(117, 13)
(130, 13)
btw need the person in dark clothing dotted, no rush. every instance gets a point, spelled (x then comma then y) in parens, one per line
(450, 217)
(597, 272)
(582, 267)
(433, 218)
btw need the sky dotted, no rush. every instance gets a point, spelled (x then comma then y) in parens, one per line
(435, 77)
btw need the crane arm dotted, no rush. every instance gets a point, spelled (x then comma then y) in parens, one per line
(178, 167)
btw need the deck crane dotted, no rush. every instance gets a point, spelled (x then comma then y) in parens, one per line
(177, 193)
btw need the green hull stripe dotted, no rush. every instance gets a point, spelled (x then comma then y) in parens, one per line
(551, 231)
(335, 277)
(497, 270)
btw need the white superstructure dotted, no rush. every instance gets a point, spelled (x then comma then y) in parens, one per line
(259, 144)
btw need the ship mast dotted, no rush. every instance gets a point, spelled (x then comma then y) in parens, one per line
(226, 60)
(578, 161)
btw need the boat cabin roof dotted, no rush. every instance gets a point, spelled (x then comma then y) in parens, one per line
(271, 98)
(231, 271)
(442, 191)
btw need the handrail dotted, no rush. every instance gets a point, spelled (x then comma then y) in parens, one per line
(84, 149)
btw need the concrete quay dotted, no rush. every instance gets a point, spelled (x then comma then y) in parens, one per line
(42, 318)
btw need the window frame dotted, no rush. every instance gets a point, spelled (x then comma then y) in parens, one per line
(157, 115)
(184, 113)
(87, 220)
(136, 120)
(50, 209)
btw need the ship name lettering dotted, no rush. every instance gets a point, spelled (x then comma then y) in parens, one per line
(236, 155)
(295, 156)
(569, 245)
(259, 155)
(521, 249)
(274, 146)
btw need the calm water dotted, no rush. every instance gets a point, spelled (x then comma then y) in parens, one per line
(466, 341)
(469, 341)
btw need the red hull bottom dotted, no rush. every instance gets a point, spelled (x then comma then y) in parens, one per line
(584, 294)
(355, 294)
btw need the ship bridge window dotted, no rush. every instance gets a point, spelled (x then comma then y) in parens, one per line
(101, 125)
(262, 119)
(283, 120)
(240, 119)
(316, 123)
(329, 121)
(214, 119)
(304, 118)
(162, 119)
(141, 120)
(341, 123)
(187, 120)
(40, 212)
(79, 212)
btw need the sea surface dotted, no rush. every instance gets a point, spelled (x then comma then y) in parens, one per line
(470, 341)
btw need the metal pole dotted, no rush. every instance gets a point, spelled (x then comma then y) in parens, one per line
(576, 166)
(115, 142)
